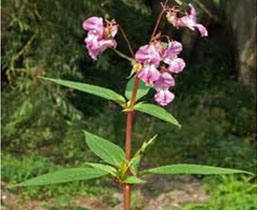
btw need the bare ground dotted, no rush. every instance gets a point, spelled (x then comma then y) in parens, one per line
(160, 193)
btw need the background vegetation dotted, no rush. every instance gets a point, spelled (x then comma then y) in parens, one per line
(42, 122)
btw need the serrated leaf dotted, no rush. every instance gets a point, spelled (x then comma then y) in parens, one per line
(91, 89)
(65, 175)
(141, 92)
(106, 168)
(107, 151)
(192, 169)
(157, 112)
(133, 180)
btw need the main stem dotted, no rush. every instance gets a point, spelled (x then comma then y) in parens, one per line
(127, 187)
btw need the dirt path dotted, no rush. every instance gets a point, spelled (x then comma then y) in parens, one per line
(160, 193)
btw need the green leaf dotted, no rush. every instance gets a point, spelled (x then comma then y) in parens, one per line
(109, 152)
(192, 169)
(141, 92)
(157, 112)
(103, 167)
(92, 89)
(178, 2)
(134, 162)
(65, 175)
(133, 180)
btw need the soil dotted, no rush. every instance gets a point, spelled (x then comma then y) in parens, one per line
(159, 193)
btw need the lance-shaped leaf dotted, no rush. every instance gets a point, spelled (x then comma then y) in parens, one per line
(157, 112)
(141, 92)
(106, 168)
(178, 2)
(65, 175)
(109, 152)
(192, 169)
(91, 89)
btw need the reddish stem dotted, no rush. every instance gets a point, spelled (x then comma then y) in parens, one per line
(128, 135)
(127, 187)
(126, 196)
(159, 20)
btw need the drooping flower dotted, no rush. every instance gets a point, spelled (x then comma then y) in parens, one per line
(189, 20)
(149, 74)
(176, 65)
(100, 35)
(158, 61)
(174, 48)
(164, 81)
(148, 54)
(94, 25)
(164, 97)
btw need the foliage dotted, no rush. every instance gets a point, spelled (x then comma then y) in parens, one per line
(15, 170)
(228, 193)
(37, 115)
(41, 41)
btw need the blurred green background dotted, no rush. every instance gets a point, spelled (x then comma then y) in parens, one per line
(42, 122)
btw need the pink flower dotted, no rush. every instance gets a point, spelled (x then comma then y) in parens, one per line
(164, 81)
(149, 73)
(148, 54)
(94, 25)
(176, 65)
(189, 21)
(164, 97)
(96, 47)
(99, 38)
(203, 31)
(92, 44)
(173, 49)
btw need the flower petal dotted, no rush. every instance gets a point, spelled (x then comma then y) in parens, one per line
(164, 81)
(164, 97)
(147, 54)
(173, 49)
(149, 74)
(95, 25)
(203, 31)
(193, 14)
(176, 65)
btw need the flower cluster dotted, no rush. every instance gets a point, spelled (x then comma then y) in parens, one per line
(159, 61)
(155, 63)
(188, 20)
(100, 35)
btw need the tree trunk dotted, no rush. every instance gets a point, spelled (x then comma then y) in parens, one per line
(240, 16)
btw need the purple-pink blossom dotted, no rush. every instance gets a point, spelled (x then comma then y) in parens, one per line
(165, 80)
(189, 20)
(176, 65)
(100, 35)
(148, 54)
(164, 97)
(173, 50)
(149, 74)
(159, 61)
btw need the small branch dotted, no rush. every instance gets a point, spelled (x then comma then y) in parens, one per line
(123, 55)
(127, 40)
(207, 11)
(159, 20)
